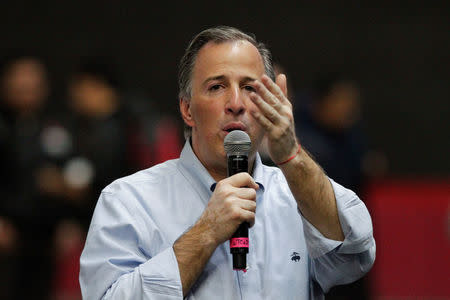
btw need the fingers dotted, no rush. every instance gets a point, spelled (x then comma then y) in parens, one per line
(246, 193)
(233, 202)
(264, 121)
(270, 97)
(245, 211)
(281, 81)
(249, 205)
(248, 217)
(229, 187)
(271, 100)
(279, 89)
(240, 180)
(273, 112)
(240, 200)
(269, 111)
(268, 117)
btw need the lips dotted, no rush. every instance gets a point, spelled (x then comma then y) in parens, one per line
(234, 126)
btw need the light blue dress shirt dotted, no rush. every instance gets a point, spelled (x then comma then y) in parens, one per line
(129, 255)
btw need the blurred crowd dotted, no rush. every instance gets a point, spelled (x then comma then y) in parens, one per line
(58, 154)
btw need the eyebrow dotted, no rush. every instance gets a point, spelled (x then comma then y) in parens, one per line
(221, 77)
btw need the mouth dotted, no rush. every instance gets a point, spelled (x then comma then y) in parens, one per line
(234, 126)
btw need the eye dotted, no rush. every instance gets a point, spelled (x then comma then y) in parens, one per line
(249, 88)
(214, 87)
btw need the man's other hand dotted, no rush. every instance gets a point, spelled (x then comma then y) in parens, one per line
(275, 115)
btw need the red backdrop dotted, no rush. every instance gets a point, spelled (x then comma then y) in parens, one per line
(411, 221)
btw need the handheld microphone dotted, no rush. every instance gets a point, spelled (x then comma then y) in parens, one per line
(237, 144)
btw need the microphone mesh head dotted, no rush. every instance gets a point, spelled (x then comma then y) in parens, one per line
(237, 141)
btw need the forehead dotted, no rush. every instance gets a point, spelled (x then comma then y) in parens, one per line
(239, 58)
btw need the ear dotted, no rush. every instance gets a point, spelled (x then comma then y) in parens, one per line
(185, 109)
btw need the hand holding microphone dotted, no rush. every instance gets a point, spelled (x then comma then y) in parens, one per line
(233, 203)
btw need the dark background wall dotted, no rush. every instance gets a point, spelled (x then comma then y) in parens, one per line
(399, 54)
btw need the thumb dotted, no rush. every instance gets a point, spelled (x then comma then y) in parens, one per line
(281, 81)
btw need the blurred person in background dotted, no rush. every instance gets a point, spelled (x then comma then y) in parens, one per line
(54, 164)
(154, 136)
(97, 126)
(111, 135)
(52, 169)
(25, 223)
(328, 124)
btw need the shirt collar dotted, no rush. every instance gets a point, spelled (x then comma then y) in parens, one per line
(197, 174)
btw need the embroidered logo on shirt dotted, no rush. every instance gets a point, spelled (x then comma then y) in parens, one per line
(295, 256)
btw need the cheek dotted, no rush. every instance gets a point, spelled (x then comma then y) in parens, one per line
(203, 115)
(207, 117)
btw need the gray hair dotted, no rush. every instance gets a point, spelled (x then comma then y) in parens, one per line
(218, 35)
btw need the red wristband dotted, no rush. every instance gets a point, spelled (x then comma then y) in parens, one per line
(292, 157)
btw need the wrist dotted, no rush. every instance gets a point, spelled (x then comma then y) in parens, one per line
(206, 234)
(197, 241)
(300, 167)
(292, 157)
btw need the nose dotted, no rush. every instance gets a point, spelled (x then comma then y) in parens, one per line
(235, 104)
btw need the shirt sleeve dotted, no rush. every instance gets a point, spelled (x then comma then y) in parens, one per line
(115, 263)
(341, 262)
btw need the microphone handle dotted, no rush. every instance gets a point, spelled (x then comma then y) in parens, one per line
(239, 241)
(239, 247)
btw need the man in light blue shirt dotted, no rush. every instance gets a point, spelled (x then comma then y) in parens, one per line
(163, 233)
